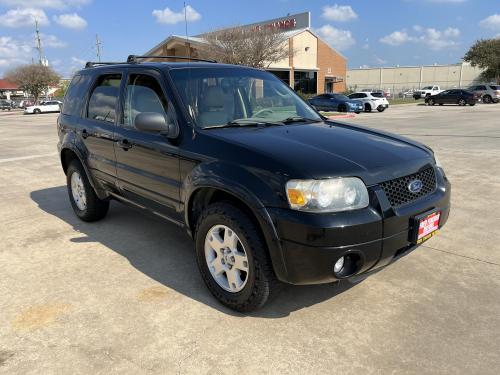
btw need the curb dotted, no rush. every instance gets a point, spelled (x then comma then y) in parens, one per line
(341, 116)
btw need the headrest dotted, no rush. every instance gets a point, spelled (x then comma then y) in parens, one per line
(214, 97)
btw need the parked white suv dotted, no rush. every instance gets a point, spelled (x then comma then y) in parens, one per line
(43, 107)
(371, 100)
(489, 92)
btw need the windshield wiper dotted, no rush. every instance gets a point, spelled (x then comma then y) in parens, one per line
(289, 120)
(244, 122)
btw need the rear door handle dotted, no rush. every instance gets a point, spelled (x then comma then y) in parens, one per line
(124, 144)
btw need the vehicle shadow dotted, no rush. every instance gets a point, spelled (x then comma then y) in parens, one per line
(165, 253)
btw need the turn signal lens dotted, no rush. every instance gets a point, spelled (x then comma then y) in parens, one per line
(296, 197)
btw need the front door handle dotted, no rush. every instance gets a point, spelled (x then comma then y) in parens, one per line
(124, 144)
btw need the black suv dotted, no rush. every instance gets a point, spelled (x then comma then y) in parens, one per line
(269, 189)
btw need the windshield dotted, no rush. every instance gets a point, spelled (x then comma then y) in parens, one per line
(219, 96)
(340, 97)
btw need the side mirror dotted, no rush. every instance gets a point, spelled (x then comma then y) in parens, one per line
(154, 122)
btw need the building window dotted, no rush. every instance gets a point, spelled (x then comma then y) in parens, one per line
(284, 75)
(305, 82)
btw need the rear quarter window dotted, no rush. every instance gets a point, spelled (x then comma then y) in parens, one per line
(75, 95)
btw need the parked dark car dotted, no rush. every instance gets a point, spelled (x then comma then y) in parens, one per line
(335, 102)
(5, 105)
(269, 190)
(455, 96)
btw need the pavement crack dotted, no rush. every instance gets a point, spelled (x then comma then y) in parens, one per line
(462, 256)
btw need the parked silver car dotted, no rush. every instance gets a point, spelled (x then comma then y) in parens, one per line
(489, 92)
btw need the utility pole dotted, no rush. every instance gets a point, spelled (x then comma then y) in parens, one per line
(98, 47)
(38, 43)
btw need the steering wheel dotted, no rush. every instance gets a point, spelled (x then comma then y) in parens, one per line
(263, 112)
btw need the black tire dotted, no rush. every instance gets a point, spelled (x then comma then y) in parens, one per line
(357, 112)
(368, 107)
(342, 108)
(440, 103)
(487, 99)
(36, 111)
(462, 102)
(381, 109)
(431, 102)
(261, 282)
(496, 100)
(96, 208)
(472, 104)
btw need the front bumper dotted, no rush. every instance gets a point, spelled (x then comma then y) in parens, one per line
(374, 236)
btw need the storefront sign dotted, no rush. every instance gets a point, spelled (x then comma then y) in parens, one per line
(290, 22)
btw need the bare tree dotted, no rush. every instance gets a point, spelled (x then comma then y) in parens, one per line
(256, 47)
(33, 78)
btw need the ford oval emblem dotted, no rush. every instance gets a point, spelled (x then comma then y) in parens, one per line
(415, 186)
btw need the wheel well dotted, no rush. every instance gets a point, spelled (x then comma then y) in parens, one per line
(67, 156)
(203, 197)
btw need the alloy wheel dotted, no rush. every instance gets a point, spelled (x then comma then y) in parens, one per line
(78, 191)
(226, 258)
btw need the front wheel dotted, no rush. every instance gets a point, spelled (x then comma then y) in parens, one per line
(487, 99)
(462, 102)
(36, 111)
(233, 259)
(86, 205)
(431, 102)
(472, 104)
(381, 109)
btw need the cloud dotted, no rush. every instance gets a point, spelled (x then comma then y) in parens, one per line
(78, 61)
(431, 37)
(396, 38)
(492, 22)
(55, 4)
(339, 13)
(170, 17)
(23, 17)
(52, 41)
(71, 21)
(13, 52)
(380, 60)
(337, 38)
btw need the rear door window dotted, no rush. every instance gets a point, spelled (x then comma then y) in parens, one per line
(104, 98)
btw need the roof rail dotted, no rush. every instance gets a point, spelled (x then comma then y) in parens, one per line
(132, 59)
(91, 64)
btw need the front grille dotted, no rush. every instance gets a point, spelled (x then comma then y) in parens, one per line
(397, 190)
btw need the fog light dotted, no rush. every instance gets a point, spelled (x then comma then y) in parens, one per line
(339, 265)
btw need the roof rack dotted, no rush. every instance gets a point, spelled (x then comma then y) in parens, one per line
(132, 59)
(91, 64)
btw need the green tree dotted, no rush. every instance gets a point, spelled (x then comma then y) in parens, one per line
(485, 53)
(33, 78)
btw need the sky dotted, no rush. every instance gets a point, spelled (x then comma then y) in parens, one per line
(369, 33)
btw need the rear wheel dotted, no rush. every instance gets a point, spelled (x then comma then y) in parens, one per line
(86, 205)
(472, 104)
(462, 102)
(487, 99)
(36, 111)
(233, 259)
(368, 107)
(381, 109)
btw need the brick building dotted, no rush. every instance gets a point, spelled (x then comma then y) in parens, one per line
(311, 67)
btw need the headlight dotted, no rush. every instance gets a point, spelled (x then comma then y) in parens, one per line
(331, 195)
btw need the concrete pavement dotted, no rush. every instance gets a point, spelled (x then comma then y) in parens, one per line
(124, 295)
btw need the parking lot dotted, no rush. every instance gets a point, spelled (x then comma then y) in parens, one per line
(124, 295)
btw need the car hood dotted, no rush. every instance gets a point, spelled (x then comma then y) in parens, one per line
(323, 150)
(353, 101)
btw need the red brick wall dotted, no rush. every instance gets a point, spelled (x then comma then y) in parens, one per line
(329, 58)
